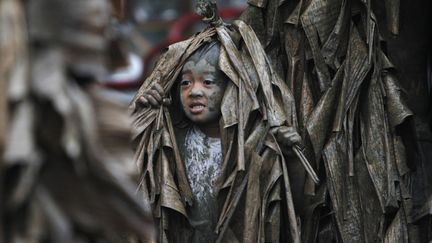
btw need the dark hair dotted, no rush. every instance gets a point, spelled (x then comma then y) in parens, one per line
(212, 48)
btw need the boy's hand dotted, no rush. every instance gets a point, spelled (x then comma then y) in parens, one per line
(287, 136)
(152, 97)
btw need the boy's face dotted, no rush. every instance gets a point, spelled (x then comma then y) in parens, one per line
(202, 88)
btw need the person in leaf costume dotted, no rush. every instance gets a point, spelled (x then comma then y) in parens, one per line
(215, 162)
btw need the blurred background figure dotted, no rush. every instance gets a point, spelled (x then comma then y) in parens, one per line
(64, 147)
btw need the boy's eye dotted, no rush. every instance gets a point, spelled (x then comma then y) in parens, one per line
(208, 82)
(184, 82)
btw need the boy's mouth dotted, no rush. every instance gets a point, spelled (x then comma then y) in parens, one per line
(196, 108)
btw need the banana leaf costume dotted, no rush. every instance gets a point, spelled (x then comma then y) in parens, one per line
(254, 191)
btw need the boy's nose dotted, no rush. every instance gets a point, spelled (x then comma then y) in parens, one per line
(196, 91)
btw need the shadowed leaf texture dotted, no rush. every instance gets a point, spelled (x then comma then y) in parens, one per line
(346, 93)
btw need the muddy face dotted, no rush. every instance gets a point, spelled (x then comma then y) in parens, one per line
(202, 88)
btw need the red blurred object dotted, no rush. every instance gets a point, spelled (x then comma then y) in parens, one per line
(176, 33)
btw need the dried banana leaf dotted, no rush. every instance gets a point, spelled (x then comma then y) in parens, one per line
(350, 106)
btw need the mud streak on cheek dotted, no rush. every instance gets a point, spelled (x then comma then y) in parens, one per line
(213, 101)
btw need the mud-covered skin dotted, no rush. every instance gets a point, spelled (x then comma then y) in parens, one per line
(202, 87)
(202, 156)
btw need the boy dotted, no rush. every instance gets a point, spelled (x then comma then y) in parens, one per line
(201, 87)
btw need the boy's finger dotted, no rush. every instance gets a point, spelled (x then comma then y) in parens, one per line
(289, 138)
(290, 129)
(158, 88)
(156, 95)
(277, 130)
(152, 100)
(294, 138)
(281, 137)
(284, 130)
(143, 100)
(166, 101)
